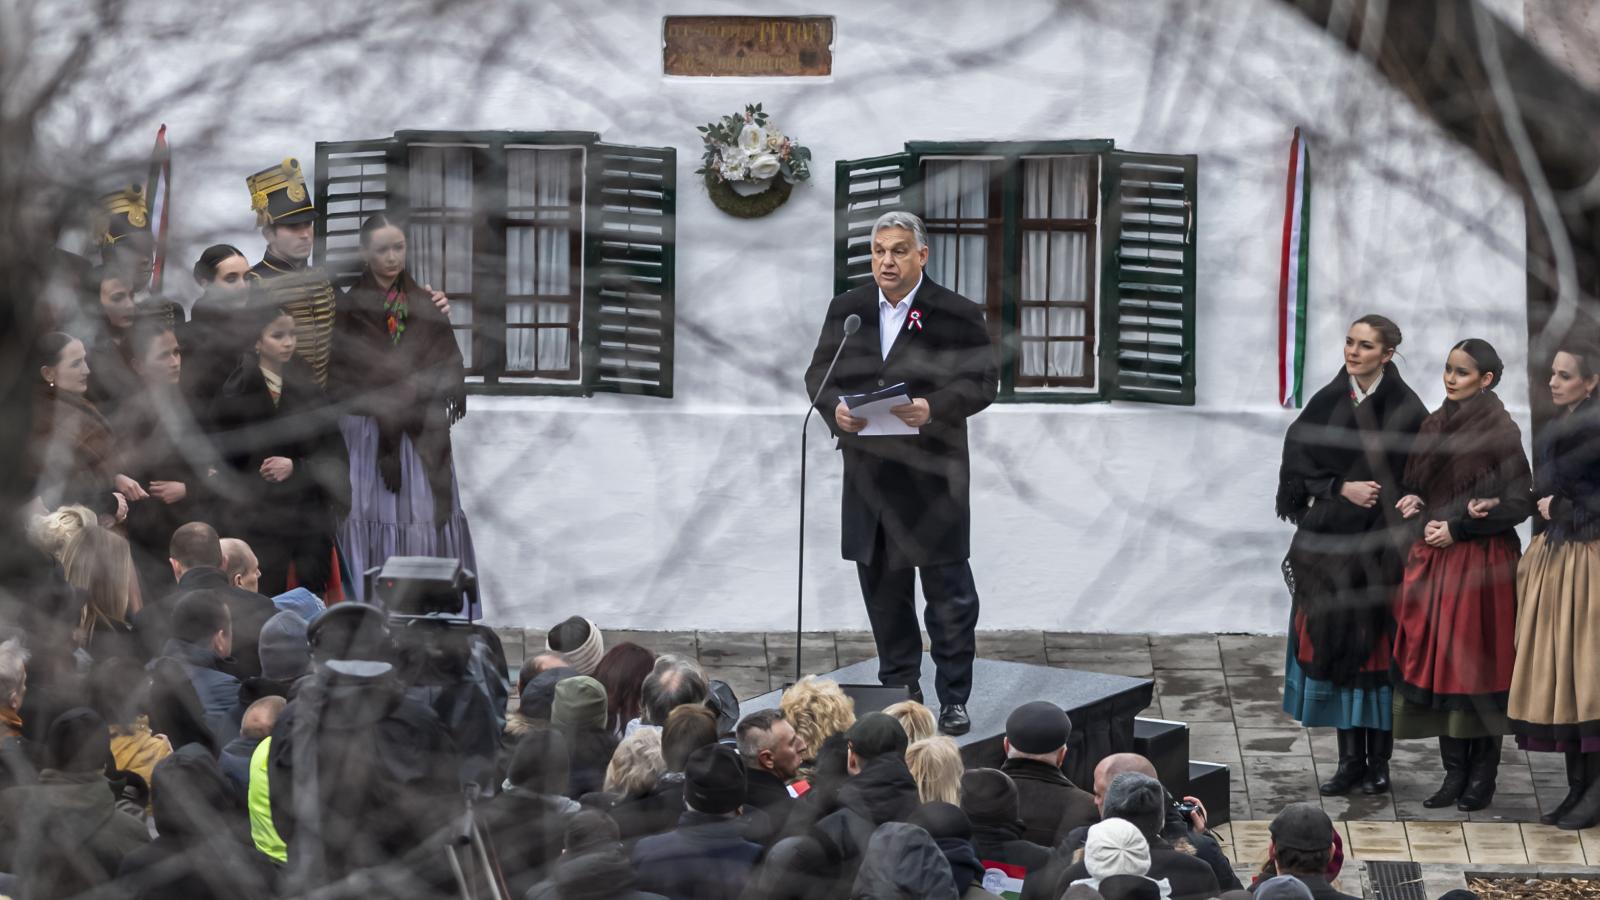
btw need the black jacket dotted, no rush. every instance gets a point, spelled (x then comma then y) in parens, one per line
(65, 835)
(914, 487)
(1049, 803)
(1190, 878)
(1176, 831)
(1000, 842)
(1321, 889)
(767, 792)
(527, 829)
(592, 875)
(248, 609)
(653, 812)
(704, 858)
(884, 791)
(216, 869)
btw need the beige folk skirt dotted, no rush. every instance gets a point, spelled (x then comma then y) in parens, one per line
(1555, 686)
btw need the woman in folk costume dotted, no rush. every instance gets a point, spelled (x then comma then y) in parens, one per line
(1339, 483)
(1468, 486)
(162, 447)
(1555, 685)
(282, 482)
(72, 451)
(397, 373)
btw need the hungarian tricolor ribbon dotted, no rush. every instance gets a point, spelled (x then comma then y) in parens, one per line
(916, 320)
(1295, 276)
(158, 189)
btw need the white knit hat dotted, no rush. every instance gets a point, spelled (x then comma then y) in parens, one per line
(586, 656)
(1115, 847)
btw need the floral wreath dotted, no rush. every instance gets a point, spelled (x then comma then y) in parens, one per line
(749, 165)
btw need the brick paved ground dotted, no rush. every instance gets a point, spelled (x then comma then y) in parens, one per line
(1227, 688)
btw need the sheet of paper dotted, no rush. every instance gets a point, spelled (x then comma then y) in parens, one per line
(875, 409)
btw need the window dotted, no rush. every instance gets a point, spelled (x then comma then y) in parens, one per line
(1082, 257)
(556, 249)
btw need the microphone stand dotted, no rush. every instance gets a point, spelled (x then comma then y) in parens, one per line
(851, 325)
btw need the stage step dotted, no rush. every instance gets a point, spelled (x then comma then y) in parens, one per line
(1166, 744)
(1209, 782)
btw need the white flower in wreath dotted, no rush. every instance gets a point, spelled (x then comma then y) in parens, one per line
(764, 166)
(750, 138)
(774, 138)
(734, 161)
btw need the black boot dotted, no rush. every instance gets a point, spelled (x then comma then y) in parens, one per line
(1453, 752)
(1481, 775)
(1576, 782)
(1380, 746)
(1586, 812)
(1352, 763)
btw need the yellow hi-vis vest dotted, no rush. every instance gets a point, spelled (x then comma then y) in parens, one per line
(262, 831)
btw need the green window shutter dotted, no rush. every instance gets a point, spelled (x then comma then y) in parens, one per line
(864, 189)
(1147, 293)
(628, 292)
(353, 181)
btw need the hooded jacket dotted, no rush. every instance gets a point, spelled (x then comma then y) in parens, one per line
(903, 863)
(65, 836)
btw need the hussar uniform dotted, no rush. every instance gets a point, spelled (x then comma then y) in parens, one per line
(278, 196)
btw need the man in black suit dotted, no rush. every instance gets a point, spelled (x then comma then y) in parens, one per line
(905, 503)
(196, 555)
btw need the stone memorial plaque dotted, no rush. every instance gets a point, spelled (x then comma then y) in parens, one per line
(747, 46)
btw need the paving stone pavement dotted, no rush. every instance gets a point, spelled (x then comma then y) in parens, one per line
(1227, 688)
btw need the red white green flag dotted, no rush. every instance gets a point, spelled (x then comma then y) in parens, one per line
(1293, 281)
(158, 193)
(1003, 879)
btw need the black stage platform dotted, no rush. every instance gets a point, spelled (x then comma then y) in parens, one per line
(1102, 707)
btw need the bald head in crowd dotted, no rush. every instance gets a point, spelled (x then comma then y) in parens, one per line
(194, 545)
(1114, 765)
(261, 717)
(239, 563)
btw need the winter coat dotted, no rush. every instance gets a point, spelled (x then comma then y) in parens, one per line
(705, 858)
(1048, 803)
(903, 863)
(592, 875)
(527, 829)
(218, 691)
(248, 610)
(65, 835)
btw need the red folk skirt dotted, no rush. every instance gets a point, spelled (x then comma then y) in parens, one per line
(1455, 638)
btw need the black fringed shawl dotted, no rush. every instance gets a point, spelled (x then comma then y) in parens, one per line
(1568, 468)
(1345, 560)
(415, 385)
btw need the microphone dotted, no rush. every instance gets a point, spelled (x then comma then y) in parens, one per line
(852, 324)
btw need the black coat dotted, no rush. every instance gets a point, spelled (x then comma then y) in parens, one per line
(915, 488)
(527, 829)
(214, 341)
(248, 609)
(705, 858)
(653, 812)
(248, 429)
(767, 792)
(1048, 803)
(1190, 878)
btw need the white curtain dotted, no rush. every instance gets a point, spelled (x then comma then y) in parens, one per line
(959, 189)
(1057, 266)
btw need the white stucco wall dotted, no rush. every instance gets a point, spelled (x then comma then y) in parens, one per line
(681, 514)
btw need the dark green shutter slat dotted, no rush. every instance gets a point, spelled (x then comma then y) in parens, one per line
(1148, 300)
(629, 289)
(336, 233)
(864, 189)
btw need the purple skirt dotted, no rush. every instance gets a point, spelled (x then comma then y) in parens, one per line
(383, 523)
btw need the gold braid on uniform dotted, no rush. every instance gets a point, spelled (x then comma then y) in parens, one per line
(308, 296)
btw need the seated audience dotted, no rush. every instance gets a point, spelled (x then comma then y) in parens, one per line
(622, 672)
(579, 642)
(1302, 847)
(635, 767)
(65, 836)
(119, 689)
(592, 865)
(952, 833)
(579, 713)
(240, 564)
(201, 850)
(283, 657)
(202, 637)
(98, 563)
(529, 818)
(818, 709)
(989, 798)
(674, 682)
(1036, 749)
(688, 729)
(935, 763)
(1142, 801)
(902, 861)
(706, 857)
(915, 718)
(195, 553)
(256, 726)
(772, 754)
(16, 752)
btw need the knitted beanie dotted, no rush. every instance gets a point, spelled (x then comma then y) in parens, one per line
(1115, 847)
(580, 704)
(579, 641)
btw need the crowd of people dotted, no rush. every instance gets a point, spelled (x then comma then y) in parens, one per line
(313, 425)
(279, 747)
(1416, 613)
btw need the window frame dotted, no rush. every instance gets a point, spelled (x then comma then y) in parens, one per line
(490, 224)
(1007, 330)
